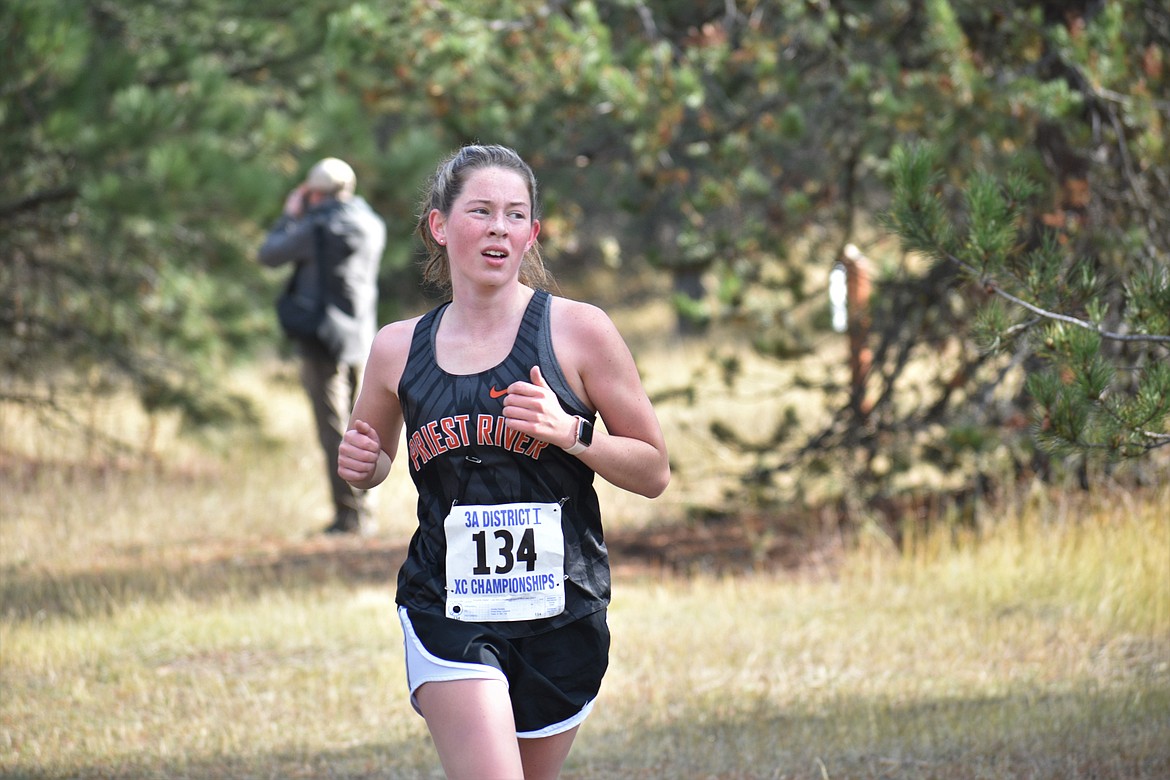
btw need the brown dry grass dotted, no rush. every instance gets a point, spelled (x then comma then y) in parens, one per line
(176, 616)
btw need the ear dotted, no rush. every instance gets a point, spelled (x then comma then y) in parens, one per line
(438, 225)
(533, 235)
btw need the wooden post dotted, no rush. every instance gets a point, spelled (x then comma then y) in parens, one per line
(858, 275)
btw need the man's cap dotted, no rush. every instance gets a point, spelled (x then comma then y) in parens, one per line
(331, 176)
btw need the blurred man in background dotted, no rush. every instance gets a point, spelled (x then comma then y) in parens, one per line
(335, 242)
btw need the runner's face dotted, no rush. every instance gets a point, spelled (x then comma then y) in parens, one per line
(490, 227)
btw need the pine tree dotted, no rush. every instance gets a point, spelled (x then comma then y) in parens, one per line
(144, 144)
(1104, 384)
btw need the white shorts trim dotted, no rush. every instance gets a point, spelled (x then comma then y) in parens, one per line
(422, 666)
(558, 728)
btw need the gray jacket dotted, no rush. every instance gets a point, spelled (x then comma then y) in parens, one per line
(352, 239)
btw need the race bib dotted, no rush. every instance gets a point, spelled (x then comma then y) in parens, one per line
(505, 562)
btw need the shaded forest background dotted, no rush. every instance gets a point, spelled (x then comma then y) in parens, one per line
(1002, 166)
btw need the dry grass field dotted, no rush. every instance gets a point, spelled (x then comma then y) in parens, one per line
(174, 615)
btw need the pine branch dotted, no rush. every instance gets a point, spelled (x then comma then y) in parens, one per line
(993, 287)
(38, 199)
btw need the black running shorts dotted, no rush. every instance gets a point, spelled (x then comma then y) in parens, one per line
(552, 677)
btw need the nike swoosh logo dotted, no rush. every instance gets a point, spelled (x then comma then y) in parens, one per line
(494, 393)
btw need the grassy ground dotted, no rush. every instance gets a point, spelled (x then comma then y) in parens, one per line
(179, 618)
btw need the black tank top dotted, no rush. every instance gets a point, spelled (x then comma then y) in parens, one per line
(459, 449)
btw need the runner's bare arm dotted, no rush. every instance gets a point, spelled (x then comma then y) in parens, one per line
(631, 451)
(371, 442)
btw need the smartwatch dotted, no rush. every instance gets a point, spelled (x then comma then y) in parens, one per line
(584, 436)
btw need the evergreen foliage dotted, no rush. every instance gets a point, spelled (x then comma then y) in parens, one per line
(146, 145)
(735, 147)
(1087, 398)
(137, 142)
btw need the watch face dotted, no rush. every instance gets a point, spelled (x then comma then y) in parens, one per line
(584, 431)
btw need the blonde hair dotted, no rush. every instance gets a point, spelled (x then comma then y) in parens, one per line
(444, 189)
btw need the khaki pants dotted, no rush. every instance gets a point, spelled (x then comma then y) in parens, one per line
(333, 388)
